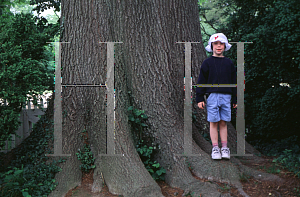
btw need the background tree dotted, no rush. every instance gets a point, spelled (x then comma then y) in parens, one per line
(5, 5)
(213, 14)
(24, 64)
(272, 65)
(150, 65)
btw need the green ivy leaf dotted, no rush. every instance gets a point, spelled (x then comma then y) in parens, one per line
(155, 165)
(131, 118)
(130, 108)
(144, 116)
(159, 172)
(26, 194)
(138, 112)
(135, 111)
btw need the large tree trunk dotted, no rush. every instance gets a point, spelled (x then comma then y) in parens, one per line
(150, 64)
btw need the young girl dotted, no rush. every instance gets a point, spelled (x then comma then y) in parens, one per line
(217, 69)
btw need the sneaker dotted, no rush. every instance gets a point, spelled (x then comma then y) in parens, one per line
(215, 154)
(225, 153)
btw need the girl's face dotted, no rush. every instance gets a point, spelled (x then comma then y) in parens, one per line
(218, 48)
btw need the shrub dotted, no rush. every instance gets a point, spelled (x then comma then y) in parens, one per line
(146, 154)
(86, 158)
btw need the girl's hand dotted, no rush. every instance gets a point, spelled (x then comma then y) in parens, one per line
(200, 105)
(234, 105)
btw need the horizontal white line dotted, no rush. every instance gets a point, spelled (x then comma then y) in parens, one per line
(216, 85)
(84, 85)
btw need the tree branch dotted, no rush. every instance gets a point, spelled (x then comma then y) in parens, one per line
(208, 22)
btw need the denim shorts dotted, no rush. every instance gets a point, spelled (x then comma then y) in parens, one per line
(218, 107)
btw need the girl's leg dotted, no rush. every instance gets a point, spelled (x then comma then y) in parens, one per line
(223, 132)
(214, 132)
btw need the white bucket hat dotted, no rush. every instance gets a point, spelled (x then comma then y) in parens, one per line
(218, 37)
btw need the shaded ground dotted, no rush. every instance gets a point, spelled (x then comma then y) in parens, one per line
(251, 186)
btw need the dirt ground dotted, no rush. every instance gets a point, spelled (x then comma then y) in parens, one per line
(252, 187)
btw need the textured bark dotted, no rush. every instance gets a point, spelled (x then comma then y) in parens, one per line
(83, 62)
(149, 64)
(85, 24)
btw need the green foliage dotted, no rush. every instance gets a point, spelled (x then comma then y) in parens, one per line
(145, 149)
(13, 179)
(290, 160)
(86, 157)
(275, 147)
(288, 153)
(137, 119)
(23, 7)
(46, 4)
(42, 5)
(297, 191)
(225, 188)
(146, 154)
(213, 14)
(29, 174)
(272, 169)
(273, 58)
(24, 66)
(24, 182)
(5, 5)
(244, 177)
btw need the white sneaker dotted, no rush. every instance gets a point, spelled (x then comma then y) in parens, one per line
(215, 153)
(225, 153)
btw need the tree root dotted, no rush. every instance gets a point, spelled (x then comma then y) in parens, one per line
(98, 181)
(203, 189)
(127, 176)
(258, 175)
(68, 178)
(241, 191)
(180, 176)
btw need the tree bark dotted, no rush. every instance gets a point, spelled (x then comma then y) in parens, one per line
(150, 64)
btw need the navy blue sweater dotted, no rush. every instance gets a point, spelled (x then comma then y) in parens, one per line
(217, 70)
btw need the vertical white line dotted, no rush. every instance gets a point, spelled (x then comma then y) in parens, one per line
(57, 103)
(187, 102)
